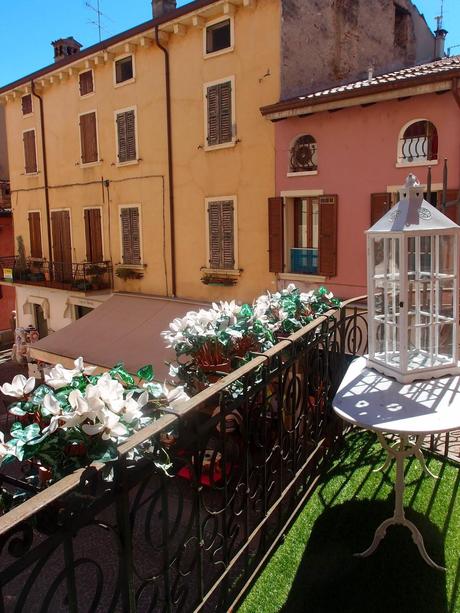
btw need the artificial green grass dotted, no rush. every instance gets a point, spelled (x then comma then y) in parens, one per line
(314, 570)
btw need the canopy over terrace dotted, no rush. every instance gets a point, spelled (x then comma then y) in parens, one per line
(125, 328)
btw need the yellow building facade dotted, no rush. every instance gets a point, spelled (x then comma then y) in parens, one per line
(96, 170)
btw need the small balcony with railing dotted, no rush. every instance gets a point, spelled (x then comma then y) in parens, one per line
(72, 276)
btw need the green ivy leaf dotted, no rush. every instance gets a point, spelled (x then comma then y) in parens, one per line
(119, 370)
(145, 373)
(40, 393)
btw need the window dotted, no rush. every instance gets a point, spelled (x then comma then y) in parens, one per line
(86, 83)
(35, 235)
(88, 138)
(218, 36)
(30, 153)
(130, 235)
(221, 234)
(305, 234)
(81, 311)
(304, 155)
(418, 143)
(26, 104)
(126, 136)
(93, 235)
(219, 113)
(124, 69)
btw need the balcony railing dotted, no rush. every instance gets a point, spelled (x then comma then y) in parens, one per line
(132, 539)
(81, 276)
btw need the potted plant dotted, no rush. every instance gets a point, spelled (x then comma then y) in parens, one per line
(125, 273)
(21, 270)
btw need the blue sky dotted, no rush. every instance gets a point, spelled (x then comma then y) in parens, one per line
(28, 26)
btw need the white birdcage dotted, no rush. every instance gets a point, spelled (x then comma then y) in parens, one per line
(412, 266)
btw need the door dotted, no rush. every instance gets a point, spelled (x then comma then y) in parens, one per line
(93, 231)
(62, 246)
(40, 322)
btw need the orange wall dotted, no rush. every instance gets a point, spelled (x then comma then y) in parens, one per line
(357, 150)
(7, 294)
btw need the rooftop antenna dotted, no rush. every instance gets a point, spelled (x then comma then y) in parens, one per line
(439, 17)
(99, 14)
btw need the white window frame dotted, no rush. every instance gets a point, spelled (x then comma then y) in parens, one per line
(213, 22)
(207, 202)
(41, 234)
(98, 161)
(231, 143)
(32, 104)
(115, 113)
(36, 172)
(89, 208)
(94, 83)
(120, 232)
(399, 162)
(117, 59)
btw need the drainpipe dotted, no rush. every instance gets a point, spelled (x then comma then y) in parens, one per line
(45, 179)
(170, 162)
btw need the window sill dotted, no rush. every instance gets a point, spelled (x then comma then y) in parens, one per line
(84, 96)
(221, 272)
(32, 174)
(306, 173)
(207, 56)
(138, 267)
(127, 82)
(28, 115)
(414, 164)
(296, 276)
(90, 164)
(128, 163)
(221, 146)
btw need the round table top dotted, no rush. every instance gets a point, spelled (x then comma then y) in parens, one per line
(374, 401)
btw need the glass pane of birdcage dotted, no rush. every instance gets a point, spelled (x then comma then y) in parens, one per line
(378, 256)
(446, 255)
(426, 254)
(411, 257)
(391, 257)
(424, 295)
(445, 333)
(446, 298)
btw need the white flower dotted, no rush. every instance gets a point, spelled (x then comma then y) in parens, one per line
(109, 425)
(19, 387)
(110, 391)
(176, 394)
(290, 288)
(133, 407)
(53, 408)
(80, 367)
(59, 376)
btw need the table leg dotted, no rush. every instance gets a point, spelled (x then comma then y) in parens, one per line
(404, 450)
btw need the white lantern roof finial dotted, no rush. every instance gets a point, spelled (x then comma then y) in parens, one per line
(412, 181)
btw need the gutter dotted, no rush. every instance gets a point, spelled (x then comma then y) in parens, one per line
(170, 162)
(45, 179)
(455, 91)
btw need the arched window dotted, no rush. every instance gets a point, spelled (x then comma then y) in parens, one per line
(418, 142)
(304, 154)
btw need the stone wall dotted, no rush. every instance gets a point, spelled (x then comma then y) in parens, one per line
(331, 42)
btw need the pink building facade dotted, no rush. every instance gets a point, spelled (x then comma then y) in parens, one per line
(341, 157)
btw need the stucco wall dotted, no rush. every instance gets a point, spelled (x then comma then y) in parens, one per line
(328, 42)
(7, 294)
(357, 155)
(4, 170)
(245, 170)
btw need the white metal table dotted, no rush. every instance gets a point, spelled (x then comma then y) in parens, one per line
(409, 411)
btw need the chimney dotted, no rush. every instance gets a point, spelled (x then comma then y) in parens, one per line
(439, 40)
(64, 47)
(162, 7)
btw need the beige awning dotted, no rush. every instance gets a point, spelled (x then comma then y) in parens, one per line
(126, 328)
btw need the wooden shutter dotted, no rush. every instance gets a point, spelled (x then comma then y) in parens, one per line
(327, 244)
(221, 232)
(30, 154)
(126, 132)
(35, 235)
(380, 204)
(225, 112)
(62, 245)
(86, 82)
(93, 233)
(130, 235)
(450, 211)
(26, 103)
(88, 137)
(219, 106)
(275, 235)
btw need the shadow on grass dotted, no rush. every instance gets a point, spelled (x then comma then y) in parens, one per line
(395, 578)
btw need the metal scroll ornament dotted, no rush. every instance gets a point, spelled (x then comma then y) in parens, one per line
(303, 154)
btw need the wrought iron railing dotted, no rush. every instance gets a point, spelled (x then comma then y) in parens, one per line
(75, 276)
(246, 454)
(417, 149)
